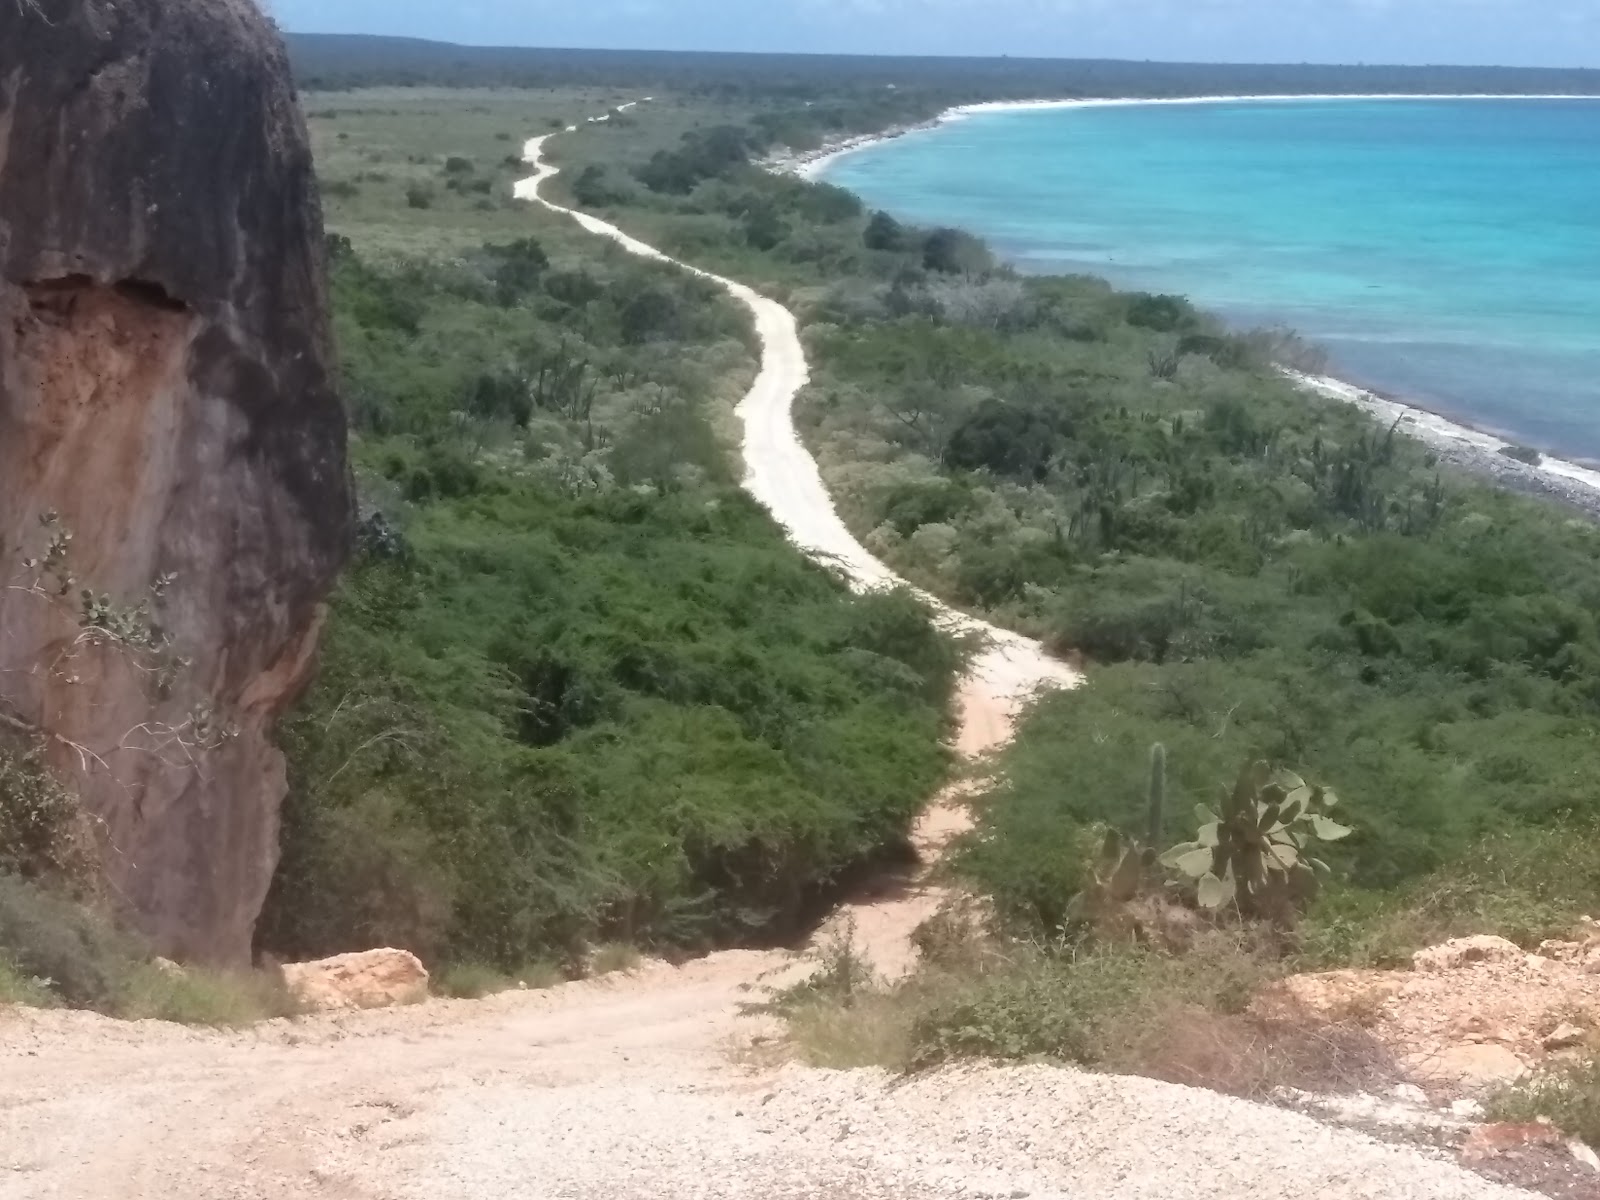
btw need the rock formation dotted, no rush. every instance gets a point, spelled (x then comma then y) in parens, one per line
(369, 979)
(165, 387)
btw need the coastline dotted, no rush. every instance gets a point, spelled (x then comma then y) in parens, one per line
(1455, 442)
(1465, 448)
(810, 164)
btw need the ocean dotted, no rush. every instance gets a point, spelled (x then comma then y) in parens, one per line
(1443, 251)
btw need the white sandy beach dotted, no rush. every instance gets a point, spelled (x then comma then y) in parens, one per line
(812, 164)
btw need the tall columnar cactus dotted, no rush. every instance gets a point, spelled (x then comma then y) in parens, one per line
(1158, 793)
(1255, 855)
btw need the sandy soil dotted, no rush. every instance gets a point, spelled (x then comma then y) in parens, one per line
(647, 1086)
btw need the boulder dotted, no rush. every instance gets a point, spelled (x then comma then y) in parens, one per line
(1474, 1066)
(368, 979)
(1348, 996)
(166, 388)
(1461, 952)
(1565, 1036)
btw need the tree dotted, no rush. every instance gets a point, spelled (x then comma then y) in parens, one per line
(1008, 439)
(884, 233)
(521, 266)
(763, 228)
(954, 252)
(593, 188)
(650, 312)
(1163, 314)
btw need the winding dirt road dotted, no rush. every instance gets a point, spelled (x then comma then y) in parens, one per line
(660, 1084)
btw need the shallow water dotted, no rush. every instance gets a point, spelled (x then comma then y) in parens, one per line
(1445, 250)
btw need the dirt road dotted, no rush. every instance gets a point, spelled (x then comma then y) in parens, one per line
(653, 1085)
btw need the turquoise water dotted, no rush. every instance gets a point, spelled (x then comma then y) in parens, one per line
(1445, 251)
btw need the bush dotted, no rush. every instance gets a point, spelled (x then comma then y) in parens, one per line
(518, 269)
(82, 957)
(1011, 440)
(474, 981)
(884, 233)
(1113, 1007)
(194, 996)
(18, 987)
(1162, 314)
(955, 252)
(41, 827)
(594, 188)
(1566, 1094)
(419, 195)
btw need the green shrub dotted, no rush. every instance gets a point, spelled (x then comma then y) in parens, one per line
(1162, 314)
(1110, 1007)
(1567, 1095)
(42, 830)
(78, 955)
(18, 987)
(469, 981)
(195, 996)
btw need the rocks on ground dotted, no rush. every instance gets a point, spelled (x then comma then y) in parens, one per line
(369, 979)
(1470, 1014)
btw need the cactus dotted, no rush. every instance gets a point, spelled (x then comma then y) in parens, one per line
(1117, 877)
(1256, 854)
(1158, 793)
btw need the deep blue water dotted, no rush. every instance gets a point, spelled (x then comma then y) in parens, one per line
(1444, 250)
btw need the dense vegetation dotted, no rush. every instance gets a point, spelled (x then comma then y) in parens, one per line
(576, 686)
(1247, 572)
(324, 62)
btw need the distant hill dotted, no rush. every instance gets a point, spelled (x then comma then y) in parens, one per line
(340, 61)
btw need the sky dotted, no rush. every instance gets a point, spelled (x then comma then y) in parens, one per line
(1564, 33)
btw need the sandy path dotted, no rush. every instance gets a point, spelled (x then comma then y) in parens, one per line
(651, 1085)
(784, 478)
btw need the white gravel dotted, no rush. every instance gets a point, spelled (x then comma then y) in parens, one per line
(960, 1134)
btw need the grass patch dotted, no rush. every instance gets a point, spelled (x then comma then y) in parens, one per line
(474, 981)
(18, 987)
(1568, 1095)
(54, 951)
(1525, 885)
(1182, 1018)
(193, 996)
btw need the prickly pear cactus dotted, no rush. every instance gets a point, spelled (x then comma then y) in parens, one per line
(1257, 853)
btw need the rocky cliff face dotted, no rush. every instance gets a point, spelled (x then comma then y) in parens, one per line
(165, 389)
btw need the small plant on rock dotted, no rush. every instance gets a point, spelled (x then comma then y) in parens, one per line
(1256, 855)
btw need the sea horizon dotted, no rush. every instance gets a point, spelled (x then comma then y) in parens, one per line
(1439, 248)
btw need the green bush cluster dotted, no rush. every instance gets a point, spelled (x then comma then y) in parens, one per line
(56, 950)
(578, 686)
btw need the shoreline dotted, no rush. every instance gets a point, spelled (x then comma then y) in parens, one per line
(1464, 447)
(1456, 443)
(810, 164)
